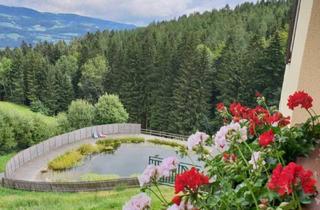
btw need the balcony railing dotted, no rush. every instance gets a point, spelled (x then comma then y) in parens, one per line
(164, 134)
(182, 167)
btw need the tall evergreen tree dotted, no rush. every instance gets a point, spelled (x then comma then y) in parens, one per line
(92, 78)
(272, 63)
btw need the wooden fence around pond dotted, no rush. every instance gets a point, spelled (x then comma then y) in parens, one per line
(54, 143)
(84, 186)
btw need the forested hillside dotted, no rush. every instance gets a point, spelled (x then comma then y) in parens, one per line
(169, 75)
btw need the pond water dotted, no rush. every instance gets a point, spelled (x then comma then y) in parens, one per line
(127, 161)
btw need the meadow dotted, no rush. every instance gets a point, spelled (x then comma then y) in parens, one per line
(106, 200)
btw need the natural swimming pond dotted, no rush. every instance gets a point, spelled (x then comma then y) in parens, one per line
(127, 161)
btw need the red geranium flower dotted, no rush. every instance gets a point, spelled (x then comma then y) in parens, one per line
(284, 180)
(278, 119)
(220, 107)
(238, 111)
(190, 180)
(300, 98)
(266, 138)
(176, 199)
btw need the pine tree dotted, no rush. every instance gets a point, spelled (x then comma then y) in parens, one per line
(16, 82)
(93, 73)
(272, 65)
(29, 66)
(191, 92)
(163, 77)
(229, 68)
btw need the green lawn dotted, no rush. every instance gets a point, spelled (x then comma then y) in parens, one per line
(4, 159)
(24, 110)
(106, 200)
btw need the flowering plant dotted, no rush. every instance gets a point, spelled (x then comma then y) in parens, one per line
(250, 164)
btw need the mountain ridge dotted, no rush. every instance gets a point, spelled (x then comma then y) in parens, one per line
(19, 24)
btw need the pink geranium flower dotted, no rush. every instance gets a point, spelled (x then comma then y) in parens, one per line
(138, 202)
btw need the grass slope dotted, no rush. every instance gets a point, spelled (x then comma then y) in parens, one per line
(4, 159)
(106, 200)
(25, 111)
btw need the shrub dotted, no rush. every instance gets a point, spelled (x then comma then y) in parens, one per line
(65, 161)
(7, 140)
(80, 114)
(123, 140)
(22, 128)
(88, 149)
(63, 123)
(98, 177)
(109, 109)
(38, 106)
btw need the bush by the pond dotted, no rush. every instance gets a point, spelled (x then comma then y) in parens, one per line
(98, 177)
(80, 114)
(167, 143)
(63, 123)
(66, 161)
(122, 140)
(72, 158)
(109, 109)
(88, 149)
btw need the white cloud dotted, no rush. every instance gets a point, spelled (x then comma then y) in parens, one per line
(129, 11)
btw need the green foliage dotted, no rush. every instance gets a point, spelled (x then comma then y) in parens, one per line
(66, 161)
(109, 110)
(63, 123)
(111, 200)
(4, 159)
(91, 82)
(38, 106)
(22, 128)
(122, 140)
(162, 73)
(98, 177)
(88, 149)
(252, 169)
(172, 143)
(7, 140)
(5, 68)
(80, 114)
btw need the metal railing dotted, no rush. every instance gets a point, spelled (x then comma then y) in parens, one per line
(182, 167)
(164, 134)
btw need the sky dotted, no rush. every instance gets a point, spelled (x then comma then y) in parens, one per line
(138, 12)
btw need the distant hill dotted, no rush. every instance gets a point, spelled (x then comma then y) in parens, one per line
(19, 24)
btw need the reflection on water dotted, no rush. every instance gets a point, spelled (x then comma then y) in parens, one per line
(127, 161)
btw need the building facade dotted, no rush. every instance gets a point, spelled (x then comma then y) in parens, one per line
(303, 58)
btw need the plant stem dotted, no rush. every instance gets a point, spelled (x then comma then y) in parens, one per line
(162, 201)
(311, 119)
(296, 199)
(254, 197)
(241, 154)
(161, 193)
